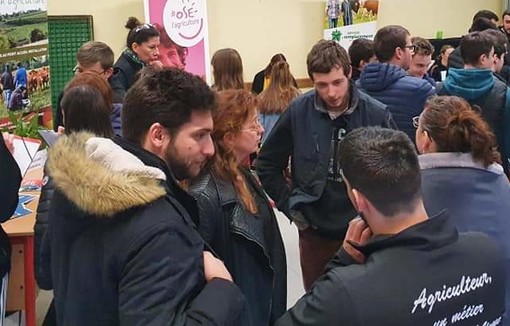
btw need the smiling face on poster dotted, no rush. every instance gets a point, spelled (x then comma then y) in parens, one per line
(184, 21)
(184, 34)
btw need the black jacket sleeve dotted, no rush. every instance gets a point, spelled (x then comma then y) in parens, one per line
(120, 84)
(273, 160)
(209, 213)
(257, 85)
(388, 121)
(156, 286)
(455, 59)
(327, 303)
(42, 257)
(10, 180)
(59, 120)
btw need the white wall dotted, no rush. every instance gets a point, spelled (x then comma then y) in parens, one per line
(260, 28)
(424, 18)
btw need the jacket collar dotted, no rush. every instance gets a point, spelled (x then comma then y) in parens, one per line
(353, 101)
(226, 192)
(100, 177)
(438, 231)
(455, 160)
(171, 185)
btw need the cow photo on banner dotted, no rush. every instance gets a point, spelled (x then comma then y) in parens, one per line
(347, 20)
(25, 79)
(183, 34)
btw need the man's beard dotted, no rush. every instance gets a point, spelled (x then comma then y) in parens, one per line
(178, 165)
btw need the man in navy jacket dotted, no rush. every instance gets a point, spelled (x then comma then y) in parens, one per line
(309, 132)
(388, 81)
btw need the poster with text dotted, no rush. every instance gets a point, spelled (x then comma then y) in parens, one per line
(183, 34)
(347, 20)
(25, 79)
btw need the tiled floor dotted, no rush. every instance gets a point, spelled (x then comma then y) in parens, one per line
(294, 282)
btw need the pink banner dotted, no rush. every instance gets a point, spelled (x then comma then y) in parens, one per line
(183, 29)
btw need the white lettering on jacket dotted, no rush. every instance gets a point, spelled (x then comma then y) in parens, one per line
(466, 285)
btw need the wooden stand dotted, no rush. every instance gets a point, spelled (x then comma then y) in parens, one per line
(22, 288)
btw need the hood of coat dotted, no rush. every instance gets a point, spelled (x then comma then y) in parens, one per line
(469, 83)
(100, 177)
(378, 76)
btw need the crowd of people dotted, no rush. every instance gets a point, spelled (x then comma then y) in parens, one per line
(157, 206)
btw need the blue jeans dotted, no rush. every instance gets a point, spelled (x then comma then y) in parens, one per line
(333, 22)
(7, 97)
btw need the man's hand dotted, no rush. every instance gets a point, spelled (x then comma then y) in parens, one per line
(9, 142)
(213, 267)
(359, 233)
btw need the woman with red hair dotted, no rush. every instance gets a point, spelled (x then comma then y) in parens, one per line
(236, 218)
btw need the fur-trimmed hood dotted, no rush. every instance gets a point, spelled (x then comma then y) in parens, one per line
(100, 177)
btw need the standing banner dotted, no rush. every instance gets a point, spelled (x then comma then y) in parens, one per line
(184, 34)
(347, 20)
(25, 81)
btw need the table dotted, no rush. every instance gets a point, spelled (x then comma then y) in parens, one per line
(22, 287)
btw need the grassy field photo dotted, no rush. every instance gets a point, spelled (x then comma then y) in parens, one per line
(22, 28)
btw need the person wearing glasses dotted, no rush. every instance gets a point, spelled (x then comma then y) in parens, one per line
(388, 80)
(308, 132)
(236, 218)
(476, 83)
(95, 57)
(461, 171)
(142, 49)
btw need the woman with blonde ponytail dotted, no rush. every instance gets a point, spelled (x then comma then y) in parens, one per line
(236, 219)
(461, 171)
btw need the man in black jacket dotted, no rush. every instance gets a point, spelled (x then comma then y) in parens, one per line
(482, 20)
(309, 132)
(124, 245)
(10, 179)
(397, 266)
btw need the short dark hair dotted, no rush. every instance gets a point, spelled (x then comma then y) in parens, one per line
(361, 49)
(485, 14)
(138, 32)
(387, 39)
(482, 24)
(382, 164)
(473, 45)
(499, 41)
(165, 95)
(91, 52)
(326, 55)
(85, 109)
(505, 13)
(422, 46)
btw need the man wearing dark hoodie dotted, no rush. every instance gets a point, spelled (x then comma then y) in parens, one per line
(477, 84)
(388, 81)
(123, 241)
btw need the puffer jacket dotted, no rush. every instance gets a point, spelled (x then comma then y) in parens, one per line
(404, 95)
